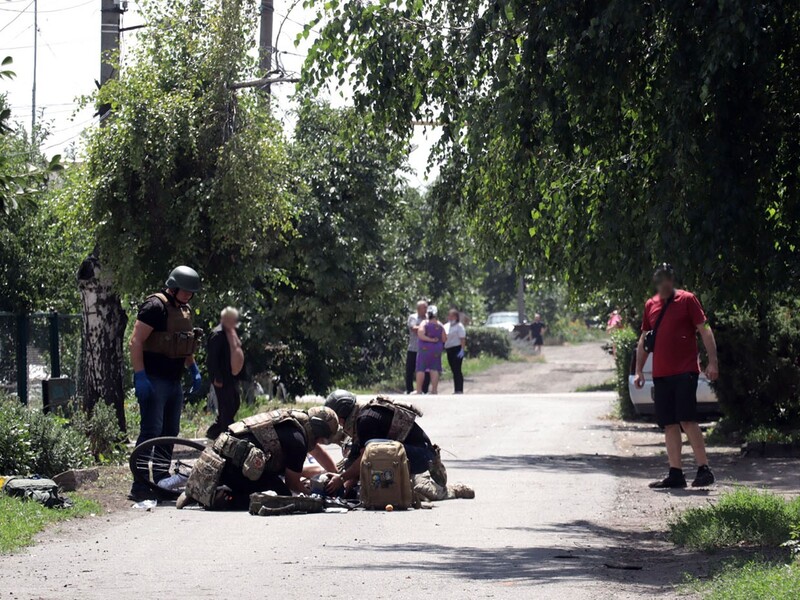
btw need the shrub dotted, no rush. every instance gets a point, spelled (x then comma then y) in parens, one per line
(16, 454)
(486, 340)
(755, 580)
(743, 516)
(625, 341)
(759, 383)
(34, 442)
(101, 428)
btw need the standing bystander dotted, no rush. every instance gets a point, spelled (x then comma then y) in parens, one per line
(225, 360)
(672, 320)
(413, 347)
(537, 329)
(455, 346)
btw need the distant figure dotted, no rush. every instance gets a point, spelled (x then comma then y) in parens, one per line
(429, 356)
(413, 345)
(672, 319)
(537, 329)
(614, 321)
(225, 360)
(455, 347)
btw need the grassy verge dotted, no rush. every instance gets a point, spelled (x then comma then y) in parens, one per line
(608, 386)
(755, 580)
(743, 517)
(21, 520)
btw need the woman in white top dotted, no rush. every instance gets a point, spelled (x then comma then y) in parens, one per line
(454, 346)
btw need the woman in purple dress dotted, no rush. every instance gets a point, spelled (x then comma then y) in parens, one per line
(431, 344)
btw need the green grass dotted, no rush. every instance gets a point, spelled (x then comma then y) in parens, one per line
(743, 517)
(755, 580)
(21, 520)
(608, 386)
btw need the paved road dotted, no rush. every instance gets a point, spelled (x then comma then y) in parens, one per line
(532, 531)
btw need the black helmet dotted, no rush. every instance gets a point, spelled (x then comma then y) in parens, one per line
(342, 403)
(184, 278)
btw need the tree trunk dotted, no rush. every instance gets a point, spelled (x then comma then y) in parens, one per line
(521, 299)
(104, 323)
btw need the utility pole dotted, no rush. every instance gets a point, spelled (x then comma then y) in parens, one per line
(265, 41)
(35, 59)
(110, 13)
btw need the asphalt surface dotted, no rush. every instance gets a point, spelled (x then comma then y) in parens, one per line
(531, 532)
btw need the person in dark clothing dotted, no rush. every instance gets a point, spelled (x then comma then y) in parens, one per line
(225, 360)
(537, 329)
(162, 346)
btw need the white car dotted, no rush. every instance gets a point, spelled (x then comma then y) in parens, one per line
(642, 398)
(502, 320)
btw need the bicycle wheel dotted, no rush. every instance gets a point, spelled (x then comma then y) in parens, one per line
(164, 463)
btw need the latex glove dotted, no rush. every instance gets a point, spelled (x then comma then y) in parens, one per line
(142, 386)
(461, 353)
(197, 379)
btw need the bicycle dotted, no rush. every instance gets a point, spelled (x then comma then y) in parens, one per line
(164, 464)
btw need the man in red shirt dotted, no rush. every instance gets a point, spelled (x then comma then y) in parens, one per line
(672, 318)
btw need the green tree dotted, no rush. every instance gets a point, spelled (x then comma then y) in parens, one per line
(186, 170)
(596, 138)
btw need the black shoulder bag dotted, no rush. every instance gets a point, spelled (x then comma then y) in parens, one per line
(650, 336)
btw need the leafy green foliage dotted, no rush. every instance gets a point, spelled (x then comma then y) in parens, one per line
(590, 140)
(107, 443)
(758, 353)
(187, 170)
(37, 443)
(743, 516)
(755, 580)
(486, 340)
(625, 341)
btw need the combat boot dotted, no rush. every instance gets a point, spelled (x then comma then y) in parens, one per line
(459, 490)
(436, 468)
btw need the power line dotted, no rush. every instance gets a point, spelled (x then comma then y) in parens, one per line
(52, 10)
(22, 12)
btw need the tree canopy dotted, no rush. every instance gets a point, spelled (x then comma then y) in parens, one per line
(592, 139)
(188, 170)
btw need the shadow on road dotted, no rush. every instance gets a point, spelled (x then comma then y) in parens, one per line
(615, 556)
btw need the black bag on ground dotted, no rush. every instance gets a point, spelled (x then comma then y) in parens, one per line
(43, 491)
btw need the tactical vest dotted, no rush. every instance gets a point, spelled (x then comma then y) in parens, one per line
(403, 417)
(180, 340)
(232, 446)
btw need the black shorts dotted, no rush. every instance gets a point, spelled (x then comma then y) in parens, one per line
(675, 398)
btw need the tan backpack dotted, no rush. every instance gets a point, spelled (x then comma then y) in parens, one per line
(385, 477)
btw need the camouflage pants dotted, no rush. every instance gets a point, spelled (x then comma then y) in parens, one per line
(430, 491)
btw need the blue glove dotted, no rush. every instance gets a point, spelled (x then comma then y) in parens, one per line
(461, 353)
(197, 379)
(142, 386)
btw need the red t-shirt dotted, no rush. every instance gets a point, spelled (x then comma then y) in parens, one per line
(676, 340)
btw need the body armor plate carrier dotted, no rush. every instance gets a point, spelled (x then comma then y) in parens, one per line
(180, 340)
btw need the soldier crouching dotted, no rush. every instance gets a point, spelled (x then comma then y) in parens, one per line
(265, 452)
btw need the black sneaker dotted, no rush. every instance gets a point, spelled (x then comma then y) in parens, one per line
(704, 477)
(672, 481)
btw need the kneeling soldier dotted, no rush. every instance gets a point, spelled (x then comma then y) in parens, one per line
(265, 452)
(383, 418)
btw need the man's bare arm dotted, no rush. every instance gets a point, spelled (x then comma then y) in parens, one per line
(710, 344)
(294, 482)
(141, 331)
(641, 358)
(237, 354)
(324, 459)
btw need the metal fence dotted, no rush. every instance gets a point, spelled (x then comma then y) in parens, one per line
(35, 347)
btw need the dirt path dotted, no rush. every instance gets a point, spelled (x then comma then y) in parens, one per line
(560, 369)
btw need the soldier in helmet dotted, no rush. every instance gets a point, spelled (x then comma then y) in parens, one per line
(261, 453)
(162, 347)
(382, 418)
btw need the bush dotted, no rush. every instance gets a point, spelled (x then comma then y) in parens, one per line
(32, 442)
(625, 341)
(755, 580)
(486, 340)
(759, 383)
(743, 516)
(101, 428)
